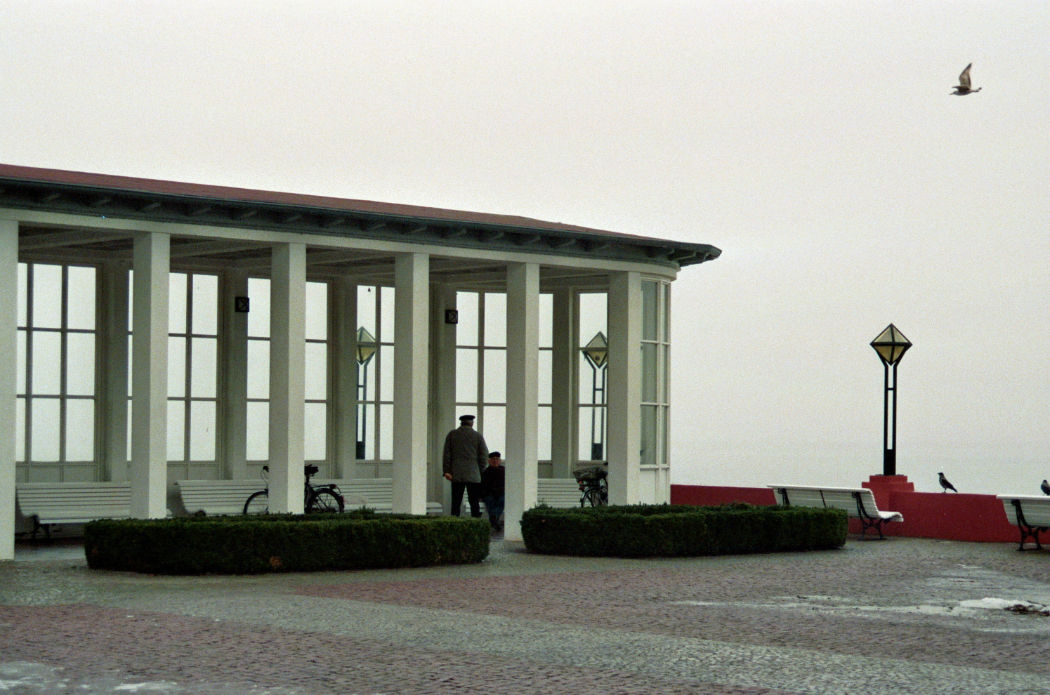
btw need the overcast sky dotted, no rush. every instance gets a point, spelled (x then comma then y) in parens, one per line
(815, 143)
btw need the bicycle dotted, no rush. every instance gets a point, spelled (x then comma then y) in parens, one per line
(594, 488)
(316, 498)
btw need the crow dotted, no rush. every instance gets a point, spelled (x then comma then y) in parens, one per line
(1045, 487)
(945, 484)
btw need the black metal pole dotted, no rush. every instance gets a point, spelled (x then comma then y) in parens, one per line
(889, 463)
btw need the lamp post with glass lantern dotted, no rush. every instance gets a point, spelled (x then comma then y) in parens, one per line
(890, 346)
(596, 352)
(366, 349)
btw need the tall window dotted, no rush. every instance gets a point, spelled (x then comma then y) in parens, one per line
(56, 368)
(375, 408)
(316, 374)
(592, 379)
(656, 350)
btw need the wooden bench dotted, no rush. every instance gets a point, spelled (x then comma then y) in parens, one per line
(72, 503)
(1030, 514)
(558, 492)
(217, 497)
(858, 503)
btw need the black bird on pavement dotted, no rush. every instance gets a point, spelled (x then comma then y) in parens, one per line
(945, 484)
(1045, 487)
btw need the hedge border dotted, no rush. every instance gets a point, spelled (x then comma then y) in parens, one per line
(283, 543)
(679, 530)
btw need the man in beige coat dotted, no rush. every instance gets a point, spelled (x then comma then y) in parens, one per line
(466, 455)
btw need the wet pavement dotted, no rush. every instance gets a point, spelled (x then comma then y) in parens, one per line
(899, 616)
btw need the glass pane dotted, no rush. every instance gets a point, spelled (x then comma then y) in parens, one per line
(493, 427)
(177, 303)
(546, 320)
(467, 328)
(650, 314)
(45, 429)
(176, 429)
(387, 316)
(80, 430)
(316, 427)
(366, 308)
(592, 434)
(47, 296)
(316, 311)
(204, 368)
(202, 431)
(386, 432)
(131, 300)
(80, 303)
(593, 316)
(258, 448)
(666, 287)
(386, 373)
(20, 429)
(495, 376)
(590, 382)
(80, 364)
(649, 438)
(665, 367)
(20, 361)
(495, 319)
(47, 359)
(543, 440)
(176, 367)
(316, 371)
(258, 369)
(466, 375)
(649, 372)
(546, 376)
(366, 419)
(23, 285)
(206, 305)
(259, 309)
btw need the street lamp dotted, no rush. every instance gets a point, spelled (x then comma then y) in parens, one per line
(366, 349)
(890, 346)
(596, 352)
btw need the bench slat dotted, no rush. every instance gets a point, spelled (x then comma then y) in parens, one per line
(843, 498)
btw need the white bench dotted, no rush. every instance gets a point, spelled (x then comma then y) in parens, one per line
(558, 492)
(72, 503)
(857, 502)
(1030, 514)
(217, 497)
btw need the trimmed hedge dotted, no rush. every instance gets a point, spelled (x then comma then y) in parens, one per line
(283, 543)
(679, 530)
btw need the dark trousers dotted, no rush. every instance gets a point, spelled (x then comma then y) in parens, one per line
(473, 498)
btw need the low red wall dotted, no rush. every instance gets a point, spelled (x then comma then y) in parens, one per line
(959, 517)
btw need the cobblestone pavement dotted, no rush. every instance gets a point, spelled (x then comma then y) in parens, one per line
(900, 616)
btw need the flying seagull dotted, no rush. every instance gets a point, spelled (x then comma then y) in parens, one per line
(945, 484)
(963, 88)
(1045, 487)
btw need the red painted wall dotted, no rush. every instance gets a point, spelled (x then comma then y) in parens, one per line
(950, 516)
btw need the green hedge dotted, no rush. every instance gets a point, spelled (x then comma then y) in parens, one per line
(283, 543)
(666, 530)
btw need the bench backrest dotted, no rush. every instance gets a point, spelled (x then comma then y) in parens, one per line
(54, 503)
(217, 496)
(828, 497)
(1036, 510)
(558, 492)
(364, 492)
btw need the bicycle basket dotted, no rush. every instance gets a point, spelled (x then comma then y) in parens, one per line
(590, 473)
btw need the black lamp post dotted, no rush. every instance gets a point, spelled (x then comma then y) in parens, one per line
(890, 346)
(366, 349)
(596, 352)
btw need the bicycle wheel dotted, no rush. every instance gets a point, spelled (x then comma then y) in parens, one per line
(593, 497)
(258, 503)
(324, 501)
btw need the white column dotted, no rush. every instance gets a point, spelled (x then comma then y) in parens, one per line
(624, 386)
(523, 342)
(344, 362)
(411, 356)
(233, 346)
(287, 376)
(442, 414)
(8, 346)
(565, 361)
(113, 280)
(149, 380)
